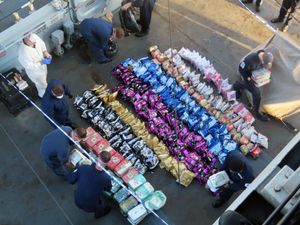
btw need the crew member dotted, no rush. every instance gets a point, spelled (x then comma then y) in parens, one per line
(240, 173)
(98, 32)
(55, 105)
(91, 183)
(146, 8)
(31, 56)
(55, 151)
(249, 64)
(285, 7)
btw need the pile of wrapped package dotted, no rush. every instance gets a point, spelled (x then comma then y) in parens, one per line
(120, 136)
(162, 120)
(222, 105)
(124, 124)
(126, 174)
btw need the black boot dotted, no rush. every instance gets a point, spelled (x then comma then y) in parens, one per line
(247, 1)
(276, 20)
(141, 34)
(261, 116)
(98, 215)
(257, 8)
(218, 202)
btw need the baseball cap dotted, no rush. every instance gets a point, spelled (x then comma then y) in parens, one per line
(268, 60)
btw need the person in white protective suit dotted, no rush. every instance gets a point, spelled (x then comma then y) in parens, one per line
(32, 53)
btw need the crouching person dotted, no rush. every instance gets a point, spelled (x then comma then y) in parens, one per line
(91, 183)
(55, 149)
(240, 172)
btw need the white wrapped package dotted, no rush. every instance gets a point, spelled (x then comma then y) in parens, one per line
(217, 180)
(137, 181)
(144, 191)
(137, 214)
(77, 158)
(262, 140)
(156, 201)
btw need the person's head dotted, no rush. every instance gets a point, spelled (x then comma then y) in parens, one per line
(58, 91)
(103, 159)
(104, 156)
(118, 33)
(29, 40)
(80, 132)
(236, 165)
(267, 60)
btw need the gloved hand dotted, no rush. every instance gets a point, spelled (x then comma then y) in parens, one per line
(70, 96)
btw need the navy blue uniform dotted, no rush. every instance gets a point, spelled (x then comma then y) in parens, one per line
(97, 32)
(90, 185)
(54, 150)
(56, 109)
(240, 180)
(285, 6)
(146, 8)
(246, 67)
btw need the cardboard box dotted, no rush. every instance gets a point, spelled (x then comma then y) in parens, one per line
(131, 173)
(115, 160)
(100, 146)
(122, 167)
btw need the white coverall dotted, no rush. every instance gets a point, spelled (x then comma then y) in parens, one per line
(30, 58)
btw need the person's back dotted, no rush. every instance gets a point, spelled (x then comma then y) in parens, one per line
(96, 27)
(55, 144)
(57, 108)
(246, 175)
(90, 185)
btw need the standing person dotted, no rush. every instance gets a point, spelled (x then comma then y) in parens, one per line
(55, 105)
(98, 32)
(285, 7)
(91, 183)
(146, 8)
(55, 151)
(258, 4)
(249, 64)
(31, 54)
(240, 172)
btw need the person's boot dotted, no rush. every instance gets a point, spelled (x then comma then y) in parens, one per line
(261, 116)
(141, 33)
(276, 20)
(247, 1)
(98, 215)
(257, 8)
(107, 60)
(218, 202)
(238, 93)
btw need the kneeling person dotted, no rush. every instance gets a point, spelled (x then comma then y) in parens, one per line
(240, 173)
(91, 183)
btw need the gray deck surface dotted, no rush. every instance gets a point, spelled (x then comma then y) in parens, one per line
(31, 194)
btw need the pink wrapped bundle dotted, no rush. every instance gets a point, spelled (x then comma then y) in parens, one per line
(100, 146)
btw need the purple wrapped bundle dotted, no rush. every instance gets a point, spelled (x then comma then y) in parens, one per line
(164, 123)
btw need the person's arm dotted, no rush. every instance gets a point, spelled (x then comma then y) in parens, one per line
(137, 3)
(73, 177)
(67, 91)
(42, 44)
(48, 109)
(107, 183)
(27, 62)
(236, 186)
